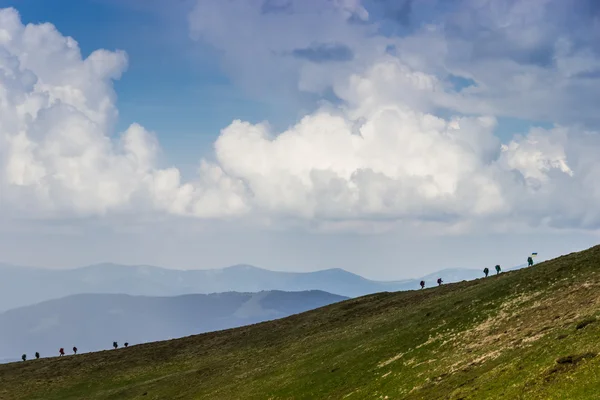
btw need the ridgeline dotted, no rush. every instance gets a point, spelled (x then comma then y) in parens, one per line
(527, 334)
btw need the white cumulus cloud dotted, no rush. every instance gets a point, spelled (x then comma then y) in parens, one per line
(381, 156)
(57, 153)
(378, 157)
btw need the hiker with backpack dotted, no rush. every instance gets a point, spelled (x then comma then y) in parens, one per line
(440, 281)
(37, 355)
(498, 269)
(422, 284)
(115, 345)
(61, 352)
(486, 271)
(24, 357)
(529, 261)
(74, 350)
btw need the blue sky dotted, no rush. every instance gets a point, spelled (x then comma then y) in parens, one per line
(391, 127)
(175, 86)
(172, 86)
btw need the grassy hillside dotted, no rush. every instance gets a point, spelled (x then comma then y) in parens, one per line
(527, 334)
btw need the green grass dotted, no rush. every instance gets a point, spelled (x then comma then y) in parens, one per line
(528, 334)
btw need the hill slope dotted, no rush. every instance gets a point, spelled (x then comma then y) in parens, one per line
(93, 321)
(22, 286)
(527, 334)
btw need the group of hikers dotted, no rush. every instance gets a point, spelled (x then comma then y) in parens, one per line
(61, 351)
(486, 270)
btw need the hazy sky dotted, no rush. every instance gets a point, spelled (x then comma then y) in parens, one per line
(389, 138)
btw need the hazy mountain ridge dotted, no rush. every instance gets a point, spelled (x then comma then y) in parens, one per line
(93, 321)
(21, 286)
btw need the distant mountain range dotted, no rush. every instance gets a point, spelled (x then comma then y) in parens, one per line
(93, 321)
(21, 286)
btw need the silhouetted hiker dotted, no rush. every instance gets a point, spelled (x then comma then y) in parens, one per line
(126, 344)
(498, 269)
(440, 281)
(530, 261)
(422, 284)
(75, 350)
(62, 352)
(115, 345)
(37, 355)
(486, 271)
(24, 357)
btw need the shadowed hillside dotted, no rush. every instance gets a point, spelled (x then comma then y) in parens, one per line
(527, 334)
(93, 321)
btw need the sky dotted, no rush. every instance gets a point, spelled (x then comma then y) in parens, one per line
(388, 138)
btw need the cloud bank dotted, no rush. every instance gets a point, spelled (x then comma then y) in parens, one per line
(401, 145)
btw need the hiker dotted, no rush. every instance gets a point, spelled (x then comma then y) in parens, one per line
(498, 269)
(126, 344)
(62, 352)
(422, 284)
(75, 350)
(440, 281)
(37, 355)
(486, 271)
(24, 357)
(115, 345)
(530, 261)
